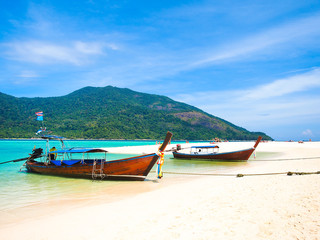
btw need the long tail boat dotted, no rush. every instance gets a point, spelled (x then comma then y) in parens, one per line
(87, 163)
(211, 153)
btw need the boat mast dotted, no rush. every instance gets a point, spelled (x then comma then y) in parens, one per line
(47, 150)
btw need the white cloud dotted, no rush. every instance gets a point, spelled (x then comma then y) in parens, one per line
(88, 47)
(76, 53)
(281, 102)
(292, 32)
(307, 132)
(285, 86)
(26, 77)
(28, 74)
(277, 88)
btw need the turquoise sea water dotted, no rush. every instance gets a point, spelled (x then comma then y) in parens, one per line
(21, 189)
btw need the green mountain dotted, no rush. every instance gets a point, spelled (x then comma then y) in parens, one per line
(113, 113)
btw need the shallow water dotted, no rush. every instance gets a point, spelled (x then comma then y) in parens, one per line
(21, 189)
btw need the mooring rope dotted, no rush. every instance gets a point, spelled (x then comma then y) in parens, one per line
(242, 175)
(289, 173)
(282, 159)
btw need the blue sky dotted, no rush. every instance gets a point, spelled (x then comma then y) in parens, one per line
(253, 63)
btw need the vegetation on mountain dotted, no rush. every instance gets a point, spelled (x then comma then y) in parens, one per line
(114, 113)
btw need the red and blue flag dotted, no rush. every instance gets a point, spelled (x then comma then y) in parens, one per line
(39, 116)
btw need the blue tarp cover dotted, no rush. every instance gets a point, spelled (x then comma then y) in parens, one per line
(56, 162)
(67, 162)
(71, 162)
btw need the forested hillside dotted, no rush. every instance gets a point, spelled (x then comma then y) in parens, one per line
(113, 113)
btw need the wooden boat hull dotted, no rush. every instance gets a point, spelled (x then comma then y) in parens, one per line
(242, 155)
(236, 156)
(134, 168)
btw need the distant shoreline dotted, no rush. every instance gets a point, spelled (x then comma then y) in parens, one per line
(145, 140)
(85, 139)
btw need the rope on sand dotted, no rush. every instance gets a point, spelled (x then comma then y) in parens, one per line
(281, 173)
(251, 174)
(243, 175)
(283, 159)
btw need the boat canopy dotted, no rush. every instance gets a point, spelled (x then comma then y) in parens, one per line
(80, 150)
(213, 146)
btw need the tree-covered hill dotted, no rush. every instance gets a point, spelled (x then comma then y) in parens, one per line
(113, 113)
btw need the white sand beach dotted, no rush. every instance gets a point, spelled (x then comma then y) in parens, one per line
(201, 207)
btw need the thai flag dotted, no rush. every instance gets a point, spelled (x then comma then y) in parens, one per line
(39, 116)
